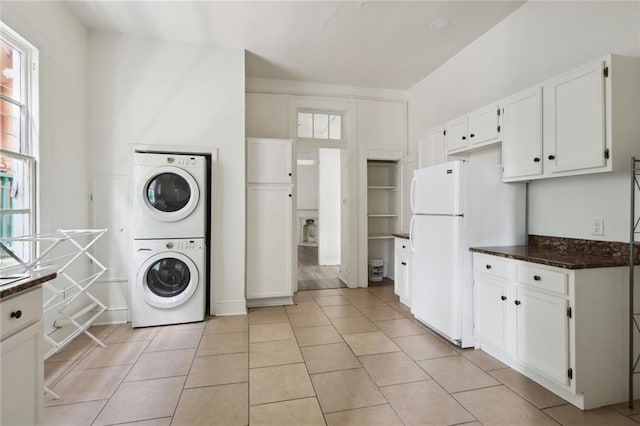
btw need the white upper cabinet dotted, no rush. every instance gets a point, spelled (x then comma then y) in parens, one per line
(522, 134)
(269, 161)
(574, 111)
(456, 134)
(484, 125)
(431, 148)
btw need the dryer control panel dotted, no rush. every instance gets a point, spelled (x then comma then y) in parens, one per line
(181, 160)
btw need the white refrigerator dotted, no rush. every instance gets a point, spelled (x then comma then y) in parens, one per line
(455, 206)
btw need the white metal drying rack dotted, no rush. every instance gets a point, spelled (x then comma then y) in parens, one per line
(80, 241)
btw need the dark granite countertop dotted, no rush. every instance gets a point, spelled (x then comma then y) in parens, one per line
(32, 280)
(401, 235)
(568, 253)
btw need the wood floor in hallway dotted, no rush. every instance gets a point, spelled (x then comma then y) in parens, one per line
(312, 276)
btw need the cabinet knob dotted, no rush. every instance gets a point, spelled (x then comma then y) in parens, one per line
(404, 263)
(471, 135)
(503, 297)
(487, 266)
(464, 138)
(551, 157)
(289, 174)
(404, 246)
(16, 314)
(537, 277)
(290, 195)
(536, 160)
(517, 302)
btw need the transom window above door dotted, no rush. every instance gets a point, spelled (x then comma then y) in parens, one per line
(319, 125)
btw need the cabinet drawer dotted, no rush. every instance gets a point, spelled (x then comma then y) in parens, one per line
(545, 279)
(491, 265)
(26, 309)
(402, 244)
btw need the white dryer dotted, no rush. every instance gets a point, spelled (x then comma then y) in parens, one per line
(170, 196)
(168, 282)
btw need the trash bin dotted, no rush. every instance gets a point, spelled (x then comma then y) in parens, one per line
(376, 269)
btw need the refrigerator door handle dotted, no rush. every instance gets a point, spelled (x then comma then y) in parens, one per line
(411, 233)
(411, 196)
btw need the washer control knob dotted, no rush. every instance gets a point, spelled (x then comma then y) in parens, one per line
(170, 160)
(169, 245)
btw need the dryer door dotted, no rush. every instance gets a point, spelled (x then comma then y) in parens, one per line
(167, 279)
(169, 193)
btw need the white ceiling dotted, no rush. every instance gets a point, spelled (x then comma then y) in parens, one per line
(367, 43)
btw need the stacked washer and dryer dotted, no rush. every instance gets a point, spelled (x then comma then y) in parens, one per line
(168, 277)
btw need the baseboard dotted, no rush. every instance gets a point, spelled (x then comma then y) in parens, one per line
(270, 301)
(230, 307)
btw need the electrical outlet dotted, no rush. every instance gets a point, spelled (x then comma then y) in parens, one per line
(597, 226)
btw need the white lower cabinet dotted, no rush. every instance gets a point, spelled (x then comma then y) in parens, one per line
(402, 268)
(565, 329)
(269, 242)
(22, 361)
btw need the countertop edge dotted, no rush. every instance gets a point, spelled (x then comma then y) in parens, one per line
(25, 284)
(604, 263)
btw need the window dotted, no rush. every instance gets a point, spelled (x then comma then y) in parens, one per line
(320, 125)
(18, 138)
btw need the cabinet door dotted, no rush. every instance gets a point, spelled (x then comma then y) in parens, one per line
(456, 134)
(491, 311)
(402, 277)
(269, 242)
(522, 134)
(269, 161)
(542, 338)
(437, 147)
(575, 119)
(21, 377)
(483, 125)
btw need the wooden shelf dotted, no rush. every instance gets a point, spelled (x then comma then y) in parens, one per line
(380, 237)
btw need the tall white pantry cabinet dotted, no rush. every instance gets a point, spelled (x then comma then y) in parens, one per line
(270, 201)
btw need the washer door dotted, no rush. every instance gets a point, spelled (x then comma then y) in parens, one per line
(169, 193)
(167, 279)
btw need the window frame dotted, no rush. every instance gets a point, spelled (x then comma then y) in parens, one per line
(333, 143)
(29, 127)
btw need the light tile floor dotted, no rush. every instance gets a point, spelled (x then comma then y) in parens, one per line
(337, 357)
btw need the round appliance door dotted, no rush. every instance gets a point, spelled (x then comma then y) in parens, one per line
(169, 194)
(167, 279)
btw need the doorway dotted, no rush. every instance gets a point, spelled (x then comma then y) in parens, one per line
(319, 218)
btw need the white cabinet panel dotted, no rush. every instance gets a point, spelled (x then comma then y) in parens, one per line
(456, 134)
(491, 311)
(542, 338)
(575, 119)
(522, 134)
(269, 161)
(431, 148)
(484, 125)
(269, 241)
(402, 283)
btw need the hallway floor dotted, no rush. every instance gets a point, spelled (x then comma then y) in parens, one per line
(337, 357)
(312, 276)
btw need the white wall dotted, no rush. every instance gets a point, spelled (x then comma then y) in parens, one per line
(151, 92)
(330, 207)
(537, 41)
(63, 185)
(307, 180)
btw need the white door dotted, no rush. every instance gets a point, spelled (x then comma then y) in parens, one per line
(522, 134)
(542, 333)
(269, 161)
(436, 189)
(491, 311)
(344, 218)
(483, 125)
(110, 210)
(438, 147)
(269, 241)
(456, 134)
(574, 108)
(436, 273)
(329, 211)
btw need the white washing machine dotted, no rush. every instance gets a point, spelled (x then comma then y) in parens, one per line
(168, 282)
(170, 196)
